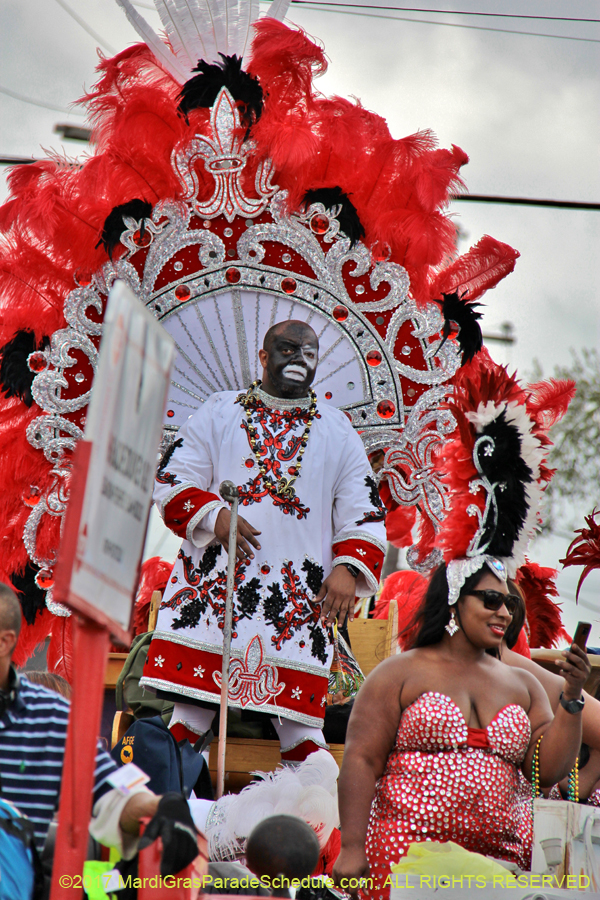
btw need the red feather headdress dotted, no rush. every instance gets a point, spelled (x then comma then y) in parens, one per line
(584, 550)
(494, 468)
(543, 622)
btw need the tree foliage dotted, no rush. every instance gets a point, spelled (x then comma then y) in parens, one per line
(576, 452)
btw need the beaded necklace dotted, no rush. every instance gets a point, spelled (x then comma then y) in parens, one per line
(285, 486)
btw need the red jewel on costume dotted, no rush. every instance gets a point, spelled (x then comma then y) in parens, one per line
(45, 579)
(340, 313)
(288, 285)
(142, 240)
(170, 413)
(182, 292)
(232, 275)
(249, 463)
(32, 497)
(37, 361)
(328, 395)
(319, 224)
(385, 409)
(265, 569)
(373, 357)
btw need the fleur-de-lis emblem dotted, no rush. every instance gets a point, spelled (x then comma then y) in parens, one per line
(251, 680)
(225, 157)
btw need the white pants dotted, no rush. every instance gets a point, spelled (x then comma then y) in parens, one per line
(291, 734)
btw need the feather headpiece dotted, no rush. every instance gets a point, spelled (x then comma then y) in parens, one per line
(494, 469)
(584, 550)
(544, 622)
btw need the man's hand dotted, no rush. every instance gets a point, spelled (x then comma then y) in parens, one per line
(245, 535)
(575, 669)
(338, 593)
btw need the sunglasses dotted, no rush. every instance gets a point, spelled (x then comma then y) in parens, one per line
(495, 600)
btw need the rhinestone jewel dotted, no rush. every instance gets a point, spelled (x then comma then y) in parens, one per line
(182, 292)
(373, 358)
(170, 413)
(265, 569)
(142, 240)
(249, 463)
(45, 579)
(32, 497)
(288, 285)
(385, 409)
(328, 395)
(233, 275)
(37, 361)
(319, 224)
(340, 313)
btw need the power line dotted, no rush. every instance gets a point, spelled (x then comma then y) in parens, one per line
(449, 12)
(42, 103)
(526, 201)
(349, 12)
(86, 27)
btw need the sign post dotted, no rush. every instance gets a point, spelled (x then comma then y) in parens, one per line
(102, 546)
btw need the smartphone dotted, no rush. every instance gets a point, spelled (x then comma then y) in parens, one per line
(582, 632)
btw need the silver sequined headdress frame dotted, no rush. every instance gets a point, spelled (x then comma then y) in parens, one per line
(458, 570)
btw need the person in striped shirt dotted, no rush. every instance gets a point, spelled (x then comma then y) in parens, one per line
(33, 731)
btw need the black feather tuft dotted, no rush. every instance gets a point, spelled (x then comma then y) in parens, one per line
(114, 226)
(31, 597)
(463, 313)
(505, 467)
(202, 90)
(348, 218)
(15, 375)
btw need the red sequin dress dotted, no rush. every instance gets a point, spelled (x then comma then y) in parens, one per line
(445, 781)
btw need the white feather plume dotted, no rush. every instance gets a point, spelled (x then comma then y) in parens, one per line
(308, 791)
(164, 56)
(200, 29)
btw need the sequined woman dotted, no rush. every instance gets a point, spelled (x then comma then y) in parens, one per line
(438, 735)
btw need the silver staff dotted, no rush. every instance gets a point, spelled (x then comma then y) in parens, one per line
(229, 493)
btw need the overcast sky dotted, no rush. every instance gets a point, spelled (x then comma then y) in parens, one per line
(525, 109)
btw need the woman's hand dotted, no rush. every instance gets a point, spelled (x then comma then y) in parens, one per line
(575, 669)
(350, 867)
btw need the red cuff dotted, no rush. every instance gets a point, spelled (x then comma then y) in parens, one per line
(364, 552)
(185, 506)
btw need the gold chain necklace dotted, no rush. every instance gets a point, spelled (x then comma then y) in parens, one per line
(285, 486)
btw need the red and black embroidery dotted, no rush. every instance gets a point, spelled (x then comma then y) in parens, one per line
(162, 476)
(289, 607)
(377, 514)
(204, 592)
(254, 491)
(193, 575)
(277, 446)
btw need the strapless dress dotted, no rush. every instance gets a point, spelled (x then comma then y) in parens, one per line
(445, 781)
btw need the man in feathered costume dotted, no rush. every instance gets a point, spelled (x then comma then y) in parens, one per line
(230, 195)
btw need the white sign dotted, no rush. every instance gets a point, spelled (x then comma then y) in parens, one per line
(124, 426)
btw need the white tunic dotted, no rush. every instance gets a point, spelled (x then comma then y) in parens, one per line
(280, 653)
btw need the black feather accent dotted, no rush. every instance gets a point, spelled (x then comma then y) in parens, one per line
(505, 467)
(114, 226)
(463, 313)
(31, 597)
(16, 377)
(202, 90)
(348, 218)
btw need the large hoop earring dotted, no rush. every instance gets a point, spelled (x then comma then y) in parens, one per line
(452, 626)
